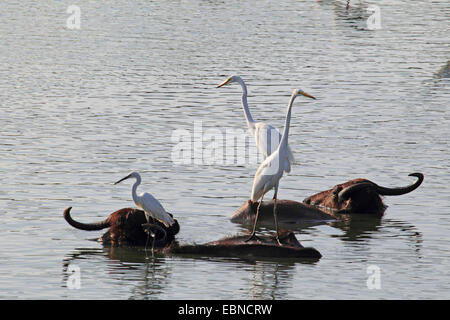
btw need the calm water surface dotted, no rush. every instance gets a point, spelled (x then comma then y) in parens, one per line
(82, 108)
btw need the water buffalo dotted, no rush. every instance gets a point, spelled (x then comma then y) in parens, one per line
(262, 246)
(289, 212)
(126, 229)
(359, 196)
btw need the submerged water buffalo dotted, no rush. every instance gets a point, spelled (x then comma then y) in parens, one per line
(262, 246)
(359, 196)
(289, 211)
(126, 229)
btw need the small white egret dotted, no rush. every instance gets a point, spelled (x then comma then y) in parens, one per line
(269, 172)
(264, 133)
(151, 206)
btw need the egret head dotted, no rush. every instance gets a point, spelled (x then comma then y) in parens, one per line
(134, 174)
(298, 92)
(229, 80)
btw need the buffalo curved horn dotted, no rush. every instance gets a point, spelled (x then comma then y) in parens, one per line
(345, 193)
(84, 226)
(399, 191)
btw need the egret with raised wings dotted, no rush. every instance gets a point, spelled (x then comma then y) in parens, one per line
(271, 170)
(151, 206)
(267, 137)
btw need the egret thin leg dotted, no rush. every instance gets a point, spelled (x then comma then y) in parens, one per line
(275, 214)
(252, 236)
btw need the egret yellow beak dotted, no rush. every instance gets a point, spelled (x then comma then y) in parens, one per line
(306, 94)
(224, 83)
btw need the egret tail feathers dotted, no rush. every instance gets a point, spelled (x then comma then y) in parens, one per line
(167, 222)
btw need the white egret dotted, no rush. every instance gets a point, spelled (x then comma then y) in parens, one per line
(264, 133)
(271, 170)
(151, 206)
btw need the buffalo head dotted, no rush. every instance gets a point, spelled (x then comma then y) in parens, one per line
(359, 196)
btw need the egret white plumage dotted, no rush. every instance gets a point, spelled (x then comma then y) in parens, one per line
(267, 137)
(151, 206)
(271, 170)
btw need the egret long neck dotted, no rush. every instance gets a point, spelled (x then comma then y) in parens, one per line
(134, 190)
(284, 137)
(247, 114)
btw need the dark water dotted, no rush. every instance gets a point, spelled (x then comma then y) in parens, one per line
(81, 108)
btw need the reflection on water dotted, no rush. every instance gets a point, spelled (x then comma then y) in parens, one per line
(353, 16)
(152, 276)
(270, 280)
(363, 228)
